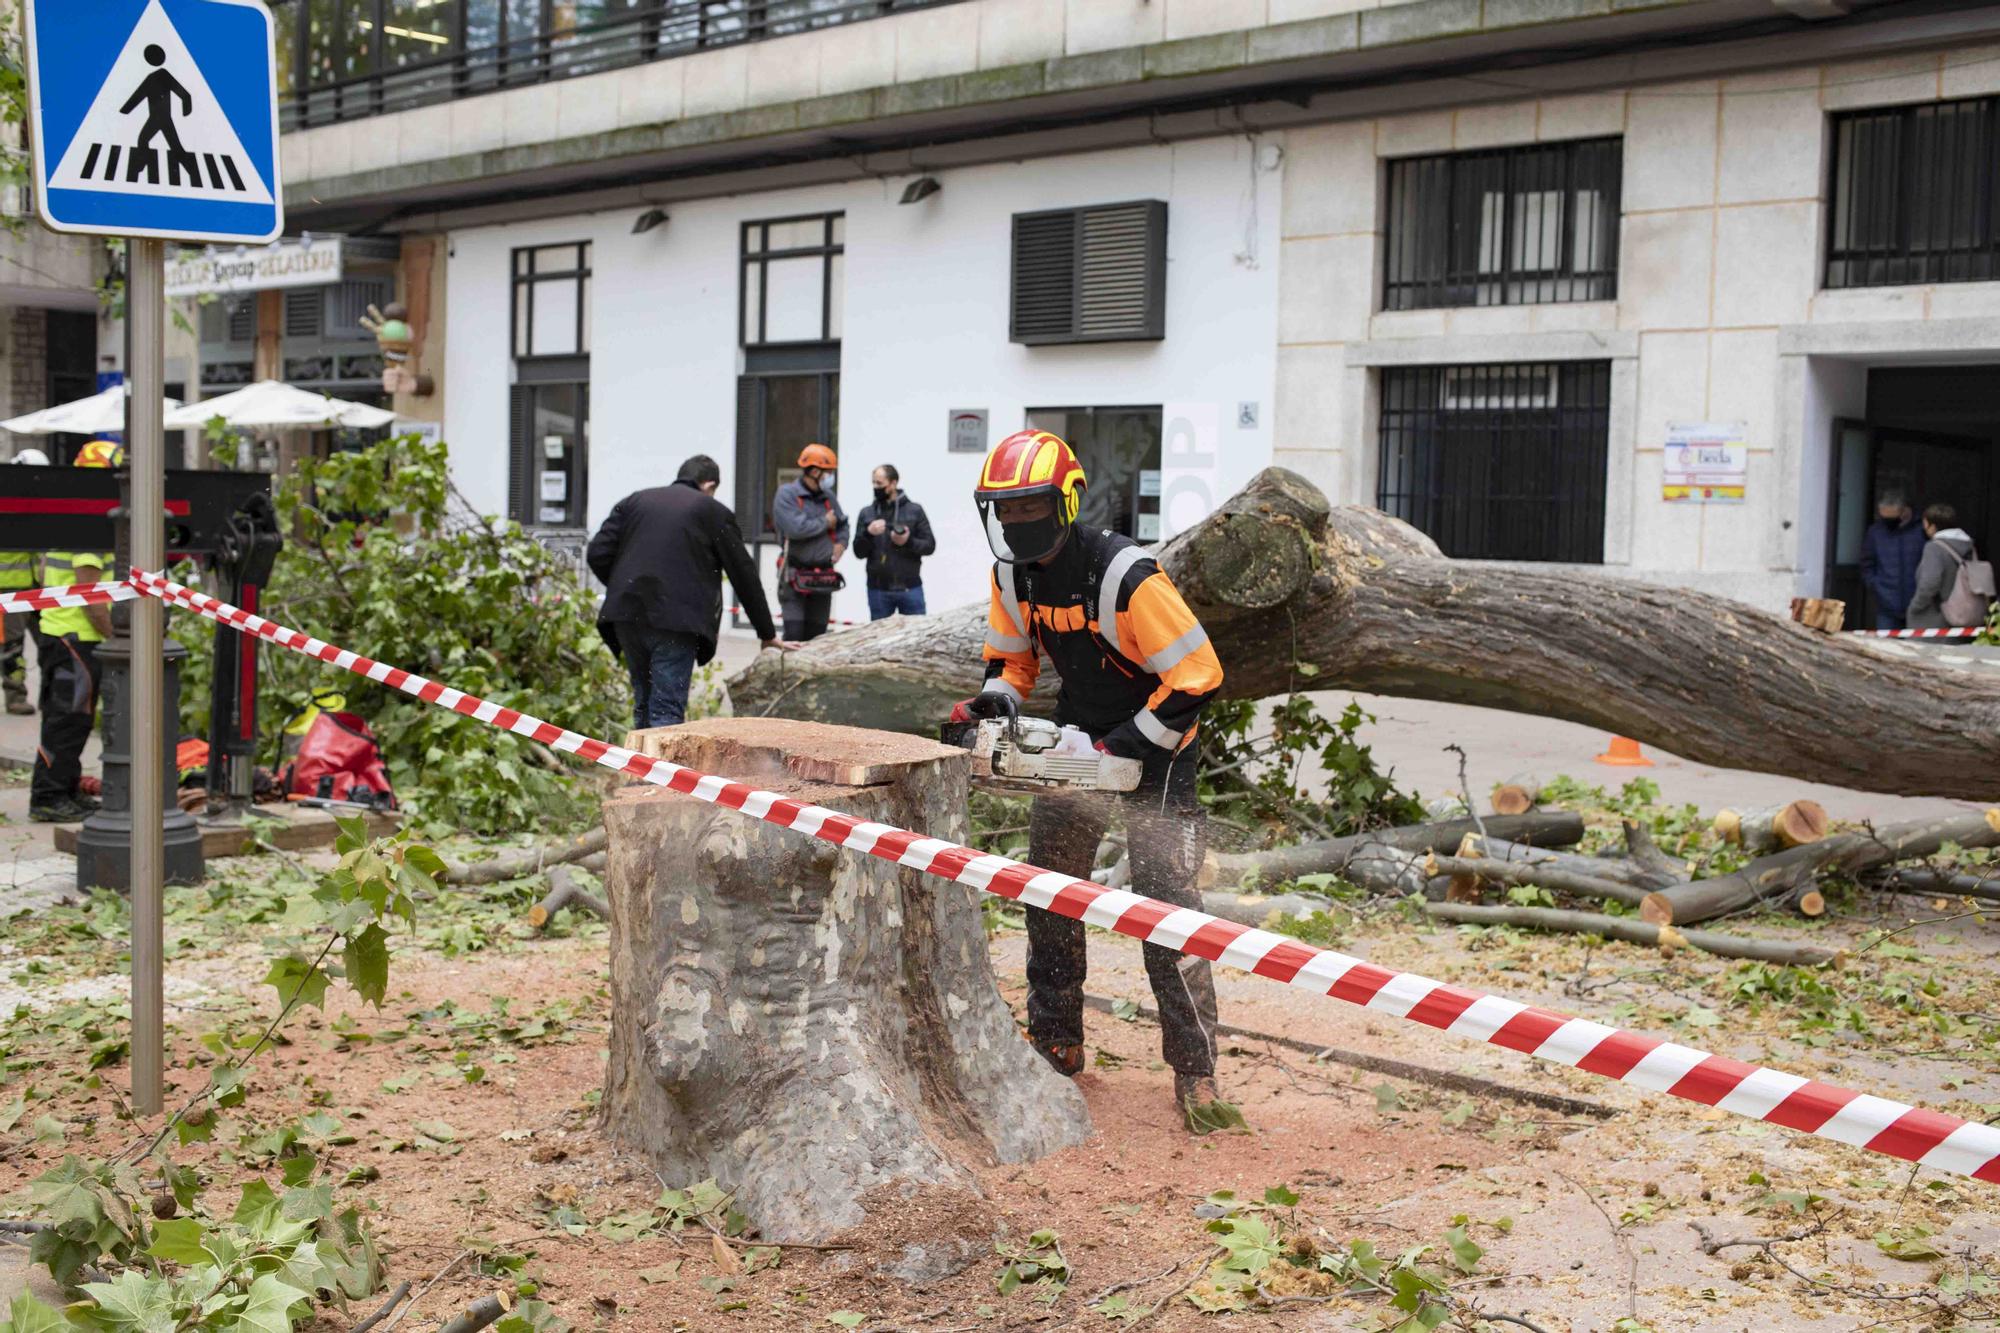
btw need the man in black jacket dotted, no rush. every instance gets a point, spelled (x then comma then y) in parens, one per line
(892, 535)
(661, 555)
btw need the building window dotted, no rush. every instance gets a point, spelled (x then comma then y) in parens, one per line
(1119, 448)
(791, 280)
(777, 415)
(1084, 275)
(1915, 195)
(1499, 462)
(548, 481)
(1510, 226)
(552, 300)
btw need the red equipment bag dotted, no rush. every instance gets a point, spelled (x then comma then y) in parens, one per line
(338, 760)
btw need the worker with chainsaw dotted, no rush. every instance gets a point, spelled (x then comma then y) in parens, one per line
(1137, 670)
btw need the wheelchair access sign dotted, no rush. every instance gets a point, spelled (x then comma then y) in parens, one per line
(155, 118)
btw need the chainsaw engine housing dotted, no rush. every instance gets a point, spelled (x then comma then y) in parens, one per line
(1016, 754)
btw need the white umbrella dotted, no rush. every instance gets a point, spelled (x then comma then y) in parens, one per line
(95, 415)
(270, 404)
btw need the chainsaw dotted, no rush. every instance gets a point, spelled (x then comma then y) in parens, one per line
(1028, 754)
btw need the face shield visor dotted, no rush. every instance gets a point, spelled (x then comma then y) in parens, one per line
(1024, 541)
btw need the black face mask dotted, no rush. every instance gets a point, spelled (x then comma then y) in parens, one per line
(1033, 540)
(881, 495)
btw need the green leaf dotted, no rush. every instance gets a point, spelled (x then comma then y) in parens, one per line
(1278, 1196)
(28, 1315)
(437, 1129)
(1464, 1252)
(366, 959)
(308, 1204)
(258, 1211)
(269, 1307)
(10, 1115)
(846, 1318)
(297, 980)
(1908, 1240)
(1125, 1011)
(298, 1169)
(1387, 1099)
(134, 1301)
(178, 1240)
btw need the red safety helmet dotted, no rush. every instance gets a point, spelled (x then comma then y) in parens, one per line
(1026, 464)
(819, 456)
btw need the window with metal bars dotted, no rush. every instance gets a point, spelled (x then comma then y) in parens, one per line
(1505, 226)
(1097, 274)
(1915, 195)
(1499, 462)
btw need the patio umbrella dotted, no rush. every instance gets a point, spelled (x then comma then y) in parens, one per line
(271, 404)
(95, 415)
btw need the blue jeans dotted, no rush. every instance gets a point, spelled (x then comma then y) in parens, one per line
(1888, 620)
(661, 664)
(886, 602)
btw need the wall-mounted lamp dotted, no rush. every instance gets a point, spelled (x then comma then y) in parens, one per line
(923, 187)
(651, 218)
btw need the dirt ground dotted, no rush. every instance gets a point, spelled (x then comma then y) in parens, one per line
(472, 1094)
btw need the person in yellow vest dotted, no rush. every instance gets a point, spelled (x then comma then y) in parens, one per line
(68, 647)
(18, 570)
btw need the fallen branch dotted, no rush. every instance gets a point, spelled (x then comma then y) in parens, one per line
(1903, 880)
(424, 1290)
(528, 861)
(1536, 875)
(1251, 909)
(563, 892)
(1634, 932)
(1779, 875)
(395, 1299)
(1646, 854)
(1618, 869)
(1557, 828)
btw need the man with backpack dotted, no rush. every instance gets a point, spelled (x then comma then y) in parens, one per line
(1954, 586)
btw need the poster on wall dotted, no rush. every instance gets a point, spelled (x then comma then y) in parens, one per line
(1707, 462)
(1190, 465)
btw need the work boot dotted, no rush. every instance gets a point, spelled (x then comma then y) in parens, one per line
(18, 705)
(90, 805)
(63, 810)
(1065, 1059)
(1198, 1098)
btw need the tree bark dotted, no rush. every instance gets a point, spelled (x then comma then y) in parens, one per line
(1983, 888)
(563, 892)
(1543, 876)
(808, 1025)
(1279, 578)
(1618, 869)
(1783, 873)
(1793, 824)
(1560, 828)
(1634, 932)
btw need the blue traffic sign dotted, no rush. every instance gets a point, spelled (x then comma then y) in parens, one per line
(155, 118)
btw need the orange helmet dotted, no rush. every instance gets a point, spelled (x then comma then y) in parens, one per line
(1026, 464)
(100, 453)
(819, 456)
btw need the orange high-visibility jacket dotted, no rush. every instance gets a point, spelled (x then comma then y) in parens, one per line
(1136, 666)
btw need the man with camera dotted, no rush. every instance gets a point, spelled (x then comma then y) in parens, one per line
(892, 535)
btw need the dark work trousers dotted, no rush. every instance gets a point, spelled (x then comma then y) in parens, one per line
(805, 615)
(14, 655)
(1167, 834)
(69, 705)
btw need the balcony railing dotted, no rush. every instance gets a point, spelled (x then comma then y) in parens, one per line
(346, 59)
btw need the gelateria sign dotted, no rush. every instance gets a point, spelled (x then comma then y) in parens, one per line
(310, 261)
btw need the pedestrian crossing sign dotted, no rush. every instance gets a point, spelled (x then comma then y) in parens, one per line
(155, 118)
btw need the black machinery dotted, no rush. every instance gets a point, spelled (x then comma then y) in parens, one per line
(225, 520)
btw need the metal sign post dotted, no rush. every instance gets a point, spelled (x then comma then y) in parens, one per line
(153, 120)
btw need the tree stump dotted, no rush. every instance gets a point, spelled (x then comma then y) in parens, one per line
(817, 1029)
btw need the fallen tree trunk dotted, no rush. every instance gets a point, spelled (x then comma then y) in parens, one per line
(1617, 869)
(1279, 577)
(529, 861)
(1542, 876)
(1559, 828)
(1634, 932)
(1644, 852)
(1783, 873)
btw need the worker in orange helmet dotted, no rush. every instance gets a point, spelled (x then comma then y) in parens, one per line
(808, 516)
(67, 645)
(1137, 670)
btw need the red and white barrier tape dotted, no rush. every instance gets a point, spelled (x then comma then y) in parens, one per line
(76, 594)
(1878, 1124)
(1955, 633)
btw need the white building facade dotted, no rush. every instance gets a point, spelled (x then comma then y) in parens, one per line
(1501, 268)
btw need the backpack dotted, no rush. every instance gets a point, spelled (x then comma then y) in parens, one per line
(1972, 591)
(339, 760)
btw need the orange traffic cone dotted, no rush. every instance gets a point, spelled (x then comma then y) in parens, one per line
(1624, 753)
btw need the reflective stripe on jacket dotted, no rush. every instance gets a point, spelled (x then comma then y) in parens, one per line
(17, 570)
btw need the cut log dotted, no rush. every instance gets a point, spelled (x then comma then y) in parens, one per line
(1793, 824)
(808, 1025)
(1466, 888)
(1511, 798)
(1556, 828)
(529, 861)
(563, 892)
(1825, 614)
(1635, 932)
(1279, 577)
(1782, 873)
(1618, 869)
